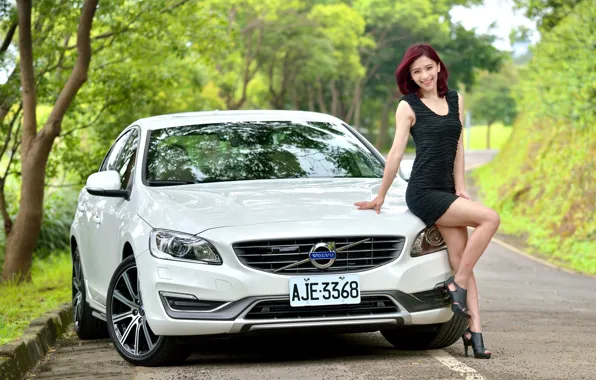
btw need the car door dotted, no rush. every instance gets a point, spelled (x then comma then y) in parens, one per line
(93, 255)
(114, 215)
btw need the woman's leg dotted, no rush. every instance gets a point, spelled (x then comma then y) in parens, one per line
(456, 239)
(462, 213)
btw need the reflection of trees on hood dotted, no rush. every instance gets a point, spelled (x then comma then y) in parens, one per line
(235, 151)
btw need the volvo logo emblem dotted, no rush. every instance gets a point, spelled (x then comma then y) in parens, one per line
(322, 255)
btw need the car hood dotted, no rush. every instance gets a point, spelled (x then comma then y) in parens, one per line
(196, 208)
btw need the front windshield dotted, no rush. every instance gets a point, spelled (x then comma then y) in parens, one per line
(257, 150)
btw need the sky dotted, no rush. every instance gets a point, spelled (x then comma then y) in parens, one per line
(481, 16)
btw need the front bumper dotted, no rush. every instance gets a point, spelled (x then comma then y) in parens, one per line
(236, 290)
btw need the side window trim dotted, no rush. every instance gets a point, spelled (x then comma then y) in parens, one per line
(125, 135)
(133, 157)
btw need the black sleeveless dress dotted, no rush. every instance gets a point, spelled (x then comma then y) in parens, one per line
(431, 188)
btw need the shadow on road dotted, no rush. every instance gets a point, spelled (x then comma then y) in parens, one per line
(286, 347)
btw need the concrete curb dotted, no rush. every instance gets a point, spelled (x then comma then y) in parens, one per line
(20, 356)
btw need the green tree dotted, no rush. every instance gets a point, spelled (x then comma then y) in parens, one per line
(547, 13)
(36, 145)
(142, 52)
(493, 99)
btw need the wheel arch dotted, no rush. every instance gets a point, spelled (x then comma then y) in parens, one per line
(127, 251)
(73, 245)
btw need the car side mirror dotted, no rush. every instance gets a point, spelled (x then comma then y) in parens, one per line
(105, 184)
(405, 169)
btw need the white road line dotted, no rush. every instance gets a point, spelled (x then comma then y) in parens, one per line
(444, 358)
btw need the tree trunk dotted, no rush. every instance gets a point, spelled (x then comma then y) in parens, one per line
(357, 114)
(36, 147)
(311, 99)
(320, 98)
(488, 134)
(295, 101)
(358, 105)
(354, 107)
(334, 99)
(383, 135)
(24, 233)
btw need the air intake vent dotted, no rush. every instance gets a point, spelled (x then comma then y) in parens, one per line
(281, 309)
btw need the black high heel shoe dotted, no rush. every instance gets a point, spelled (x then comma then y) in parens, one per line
(477, 343)
(458, 298)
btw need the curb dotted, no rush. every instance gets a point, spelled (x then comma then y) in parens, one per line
(20, 356)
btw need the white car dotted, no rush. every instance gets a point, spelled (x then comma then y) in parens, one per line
(234, 222)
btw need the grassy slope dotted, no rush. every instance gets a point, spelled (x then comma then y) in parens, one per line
(49, 288)
(542, 184)
(499, 134)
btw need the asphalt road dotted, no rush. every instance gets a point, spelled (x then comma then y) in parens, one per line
(539, 322)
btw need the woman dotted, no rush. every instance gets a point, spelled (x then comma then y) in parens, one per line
(436, 189)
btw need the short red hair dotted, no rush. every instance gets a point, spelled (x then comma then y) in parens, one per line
(403, 77)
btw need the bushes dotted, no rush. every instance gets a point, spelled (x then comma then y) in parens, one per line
(59, 211)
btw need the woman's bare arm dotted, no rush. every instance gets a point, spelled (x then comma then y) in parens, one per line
(404, 119)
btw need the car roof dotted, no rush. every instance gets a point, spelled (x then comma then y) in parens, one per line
(206, 117)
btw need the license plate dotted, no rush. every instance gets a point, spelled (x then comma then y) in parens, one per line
(324, 290)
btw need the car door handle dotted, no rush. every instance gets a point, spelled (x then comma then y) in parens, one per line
(96, 219)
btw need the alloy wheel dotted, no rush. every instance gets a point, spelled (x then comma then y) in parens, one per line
(77, 291)
(128, 316)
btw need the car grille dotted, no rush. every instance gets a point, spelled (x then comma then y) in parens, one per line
(281, 309)
(270, 255)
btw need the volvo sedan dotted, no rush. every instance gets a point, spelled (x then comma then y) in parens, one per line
(238, 222)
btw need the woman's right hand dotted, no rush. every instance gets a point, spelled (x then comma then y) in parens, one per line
(374, 204)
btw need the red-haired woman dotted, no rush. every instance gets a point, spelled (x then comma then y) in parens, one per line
(436, 193)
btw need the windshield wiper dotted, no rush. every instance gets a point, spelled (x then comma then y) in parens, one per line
(167, 182)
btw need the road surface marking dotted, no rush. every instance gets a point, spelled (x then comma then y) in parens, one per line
(453, 364)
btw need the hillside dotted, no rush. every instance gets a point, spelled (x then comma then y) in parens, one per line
(543, 181)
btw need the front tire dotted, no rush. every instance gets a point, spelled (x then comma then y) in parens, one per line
(427, 337)
(86, 325)
(133, 338)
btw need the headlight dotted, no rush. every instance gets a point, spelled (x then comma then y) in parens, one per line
(172, 245)
(428, 241)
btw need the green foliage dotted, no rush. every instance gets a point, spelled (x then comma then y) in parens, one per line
(48, 290)
(58, 213)
(466, 52)
(542, 181)
(158, 56)
(155, 63)
(547, 13)
(493, 100)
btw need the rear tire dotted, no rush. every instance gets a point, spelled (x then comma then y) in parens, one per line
(427, 337)
(86, 325)
(133, 338)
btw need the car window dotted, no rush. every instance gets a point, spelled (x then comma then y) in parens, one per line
(115, 150)
(258, 150)
(125, 161)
